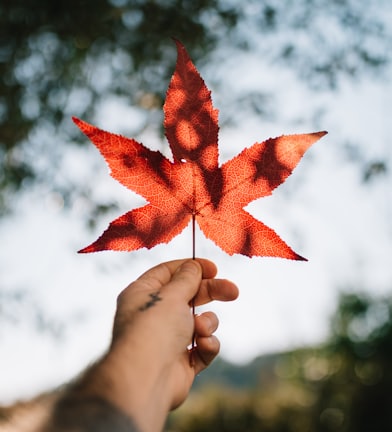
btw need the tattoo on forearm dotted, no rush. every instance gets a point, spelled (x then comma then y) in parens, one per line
(154, 299)
(91, 414)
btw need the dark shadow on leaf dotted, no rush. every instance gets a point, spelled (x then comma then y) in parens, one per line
(268, 167)
(128, 233)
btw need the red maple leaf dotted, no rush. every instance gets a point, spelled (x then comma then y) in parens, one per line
(193, 186)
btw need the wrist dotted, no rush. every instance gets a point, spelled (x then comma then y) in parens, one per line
(135, 382)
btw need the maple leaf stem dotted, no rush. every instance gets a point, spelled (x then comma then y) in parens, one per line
(193, 236)
(191, 359)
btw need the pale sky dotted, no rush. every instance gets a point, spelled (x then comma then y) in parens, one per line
(323, 212)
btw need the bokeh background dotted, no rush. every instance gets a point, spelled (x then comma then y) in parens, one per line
(307, 345)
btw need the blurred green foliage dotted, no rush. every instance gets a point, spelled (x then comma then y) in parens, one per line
(60, 58)
(341, 386)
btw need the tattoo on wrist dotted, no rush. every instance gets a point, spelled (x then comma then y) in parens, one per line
(150, 303)
(89, 414)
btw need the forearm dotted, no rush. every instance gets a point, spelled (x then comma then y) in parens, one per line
(120, 393)
(88, 414)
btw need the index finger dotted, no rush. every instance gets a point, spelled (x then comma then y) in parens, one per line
(216, 289)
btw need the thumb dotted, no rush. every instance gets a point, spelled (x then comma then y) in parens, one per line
(186, 279)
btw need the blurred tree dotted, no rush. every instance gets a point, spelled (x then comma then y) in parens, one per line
(343, 386)
(61, 58)
(58, 58)
(357, 394)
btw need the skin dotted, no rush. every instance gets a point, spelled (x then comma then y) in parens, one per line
(149, 368)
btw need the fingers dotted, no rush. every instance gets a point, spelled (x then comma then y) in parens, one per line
(207, 345)
(187, 278)
(162, 274)
(216, 289)
(207, 348)
(205, 324)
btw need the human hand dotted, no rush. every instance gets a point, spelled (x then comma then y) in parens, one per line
(152, 331)
(147, 370)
